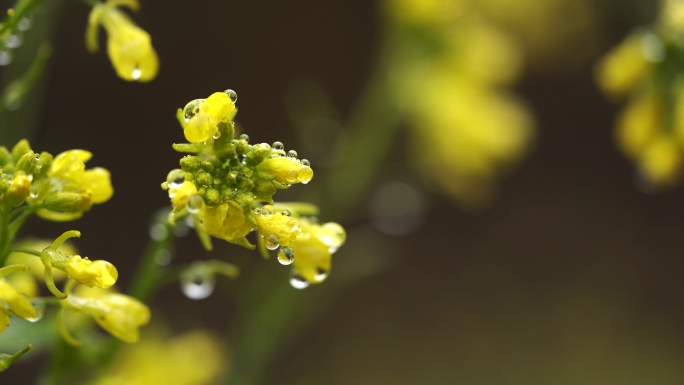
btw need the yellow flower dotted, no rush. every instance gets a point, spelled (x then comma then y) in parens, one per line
(179, 196)
(129, 47)
(286, 170)
(69, 188)
(194, 358)
(119, 314)
(19, 190)
(34, 262)
(673, 14)
(277, 226)
(661, 161)
(623, 67)
(638, 124)
(91, 273)
(202, 116)
(17, 302)
(226, 221)
(314, 248)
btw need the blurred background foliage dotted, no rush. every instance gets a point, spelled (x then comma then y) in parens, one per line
(495, 233)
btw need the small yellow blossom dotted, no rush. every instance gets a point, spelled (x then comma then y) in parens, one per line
(91, 273)
(661, 161)
(193, 358)
(278, 227)
(623, 68)
(119, 314)
(17, 302)
(314, 248)
(226, 221)
(638, 124)
(286, 170)
(19, 190)
(129, 47)
(202, 116)
(69, 188)
(179, 196)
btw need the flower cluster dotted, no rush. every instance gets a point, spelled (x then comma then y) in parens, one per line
(129, 47)
(227, 185)
(57, 188)
(647, 68)
(467, 128)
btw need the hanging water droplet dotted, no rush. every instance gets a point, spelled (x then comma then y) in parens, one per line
(217, 135)
(292, 154)
(298, 282)
(14, 41)
(40, 311)
(34, 192)
(291, 176)
(244, 137)
(162, 257)
(6, 57)
(321, 274)
(286, 255)
(136, 74)
(175, 178)
(271, 241)
(267, 211)
(24, 24)
(232, 94)
(333, 235)
(198, 286)
(194, 204)
(191, 109)
(278, 146)
(305, 162)
(286, 213)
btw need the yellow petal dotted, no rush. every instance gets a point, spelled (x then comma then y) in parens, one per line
(98, 180)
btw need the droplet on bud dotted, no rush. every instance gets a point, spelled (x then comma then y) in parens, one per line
(175, 178)
(271, 241)
(39, 305)
(267, 211)
(194, 204)
(292, 154)
(278, 146)
(136, 74)
(286, 255)
(232, 94)
(321, 274)
(191, 109)
(305, 162)
(286, 213)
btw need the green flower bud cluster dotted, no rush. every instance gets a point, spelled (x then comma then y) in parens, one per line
(60, 188)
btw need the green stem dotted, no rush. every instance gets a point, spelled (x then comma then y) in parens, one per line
(24, 250)
(4, 233)
(21, 8)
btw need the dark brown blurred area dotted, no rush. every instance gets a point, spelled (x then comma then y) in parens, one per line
(572, 276)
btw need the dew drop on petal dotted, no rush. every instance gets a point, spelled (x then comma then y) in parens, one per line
(232, 94)
(267, 211)
(271, 241)
(136, 74)
(40, 311)
(286, 213)
(244, 137)
(321, 274)
(305, 162)
(278, 146)
(292, 154)
(286, 255)
(191, 109)
(194, 204)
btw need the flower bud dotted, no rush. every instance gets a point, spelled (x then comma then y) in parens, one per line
(19, 190)
(91, 273)
(8, 359)
(19, 149)
(18, 303)
(286, 170)
(64, 201)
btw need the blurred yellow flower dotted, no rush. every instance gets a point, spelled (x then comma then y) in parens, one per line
(624, 67)
(16, 301)
(313, 249)
(193, 358)
(119, 314)
(129, 47)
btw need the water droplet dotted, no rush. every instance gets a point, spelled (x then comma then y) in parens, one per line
(278, 146)
(163, 257)
(286, 213)
(298, 282)
(198, 286)
(286, 255)
(292, 154)
(14, 41)
(25, 24)
(191, 109)
(321, 274)
(175, 178)
(194, 204)
(232, 94)
(40, 311)
(271, 241)
(305, 162)
(291, 176)
(333, 235)
(267, 211)
(34, 192)
(136, 74)
(6, 57)
(217, 135)
(158, 232)
(244, 137)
